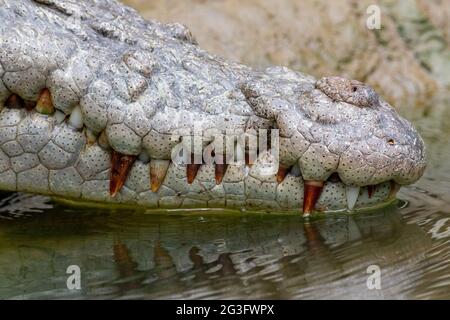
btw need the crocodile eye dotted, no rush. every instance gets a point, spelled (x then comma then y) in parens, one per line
(391, 142)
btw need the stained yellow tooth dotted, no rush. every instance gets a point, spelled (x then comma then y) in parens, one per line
(312, 191)
(250, 158)
(158, 171)
(14, 102)
(120, 167)
(220, 170)
(394, 189)
(282, 172)
(192, 169)
(103, 140)
(44, 104)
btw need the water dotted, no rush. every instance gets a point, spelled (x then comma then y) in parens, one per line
(217, 254)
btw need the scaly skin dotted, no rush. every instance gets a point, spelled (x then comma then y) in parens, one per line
(127, 86)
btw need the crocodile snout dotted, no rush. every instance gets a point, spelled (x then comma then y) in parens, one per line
(372, 142)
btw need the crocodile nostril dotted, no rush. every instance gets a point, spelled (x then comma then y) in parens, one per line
(391, 142)
(354, 89)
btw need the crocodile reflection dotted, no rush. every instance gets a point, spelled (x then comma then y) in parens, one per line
(306, 246)
(195, 256)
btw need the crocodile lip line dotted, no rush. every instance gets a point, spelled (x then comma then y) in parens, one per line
(99, 109)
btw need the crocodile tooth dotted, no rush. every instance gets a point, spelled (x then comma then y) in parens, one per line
(352, 194)
(103, 140)
(76, 118)
(282, 172)
(59, 116)
(120, 167)
(44, 104)
(220, 169)
(394, 189)
(14, 102)
(191, 171)
(312, 191)
(158, 171)
(250, 157)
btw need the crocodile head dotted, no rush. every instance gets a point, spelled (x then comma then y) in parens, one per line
(94, 100)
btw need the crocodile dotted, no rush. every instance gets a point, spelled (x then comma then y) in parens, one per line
(100, 105)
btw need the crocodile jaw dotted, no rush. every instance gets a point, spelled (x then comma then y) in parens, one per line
(129, 90)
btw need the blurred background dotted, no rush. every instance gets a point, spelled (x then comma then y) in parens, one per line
(407, 61)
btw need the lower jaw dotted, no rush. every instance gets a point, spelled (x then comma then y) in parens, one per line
(249, 194)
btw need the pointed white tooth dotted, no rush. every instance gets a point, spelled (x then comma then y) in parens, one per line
(59, 116)
(352, 196)
(76, 118)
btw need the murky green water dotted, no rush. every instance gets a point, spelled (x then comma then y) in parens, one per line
(123, 254)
